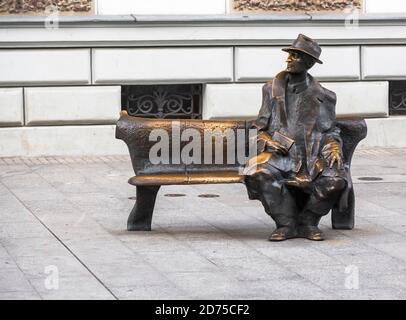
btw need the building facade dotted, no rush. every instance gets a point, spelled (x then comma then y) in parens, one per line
(65, 78)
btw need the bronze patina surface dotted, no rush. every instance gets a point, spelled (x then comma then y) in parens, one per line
(301, 172)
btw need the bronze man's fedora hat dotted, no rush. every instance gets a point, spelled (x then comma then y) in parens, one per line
(306, 45)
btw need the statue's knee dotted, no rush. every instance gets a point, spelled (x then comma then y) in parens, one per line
(330, 185)
(337, 184)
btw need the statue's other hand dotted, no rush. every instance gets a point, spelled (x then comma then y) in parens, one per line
(277, 147)
(263, 135)
(331, 152)
(335, 159)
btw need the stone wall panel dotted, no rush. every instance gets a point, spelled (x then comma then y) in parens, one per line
(72, 105)
(44, 66)
(11, 107)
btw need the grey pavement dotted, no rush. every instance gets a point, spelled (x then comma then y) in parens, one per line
(62, 236)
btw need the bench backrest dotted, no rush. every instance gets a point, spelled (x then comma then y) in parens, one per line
(137, 132)
(352, 132)
(140, 135)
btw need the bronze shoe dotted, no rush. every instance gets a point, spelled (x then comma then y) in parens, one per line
(283, 233)
(311, 233)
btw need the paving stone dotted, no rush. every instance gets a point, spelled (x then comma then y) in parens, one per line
(186, 261)
(18, 295)
(372, 294)
(377, 263)
(29, 247)
(34, 267)
(301, 289)
(130, 272)
(75, 288)
(367, 209)
(372, 233)
(13, 280)
(337, 245)
(55, 209)
(99, 250)
(397, 250)
(325, 277)
(37, 193)
(293, 256)
(258, 269)
(227, 248)
(152, 241)
(13, 211)
(394, 281)
(18, 230)
(200, 285)
(150, 292)
(6, 261)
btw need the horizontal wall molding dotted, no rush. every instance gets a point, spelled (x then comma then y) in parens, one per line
(120, 32)
(113, 20)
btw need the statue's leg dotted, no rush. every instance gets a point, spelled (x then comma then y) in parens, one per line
(140, 217)
(325, 194)
(277, 201)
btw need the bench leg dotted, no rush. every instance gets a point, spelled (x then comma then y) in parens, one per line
(344, 220)
(140, 217)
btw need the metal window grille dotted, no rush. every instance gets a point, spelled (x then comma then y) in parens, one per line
(183, 101)
(397, 97)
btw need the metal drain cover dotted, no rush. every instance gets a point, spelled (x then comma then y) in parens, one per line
(175, 195)
(208, 195)
(370, 179)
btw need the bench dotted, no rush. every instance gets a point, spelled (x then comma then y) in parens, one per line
(149, 177)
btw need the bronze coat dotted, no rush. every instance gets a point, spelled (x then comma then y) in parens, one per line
(316, 113)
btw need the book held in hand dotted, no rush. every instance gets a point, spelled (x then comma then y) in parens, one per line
(283, 140)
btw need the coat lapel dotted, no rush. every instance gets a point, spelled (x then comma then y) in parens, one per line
(278, 94)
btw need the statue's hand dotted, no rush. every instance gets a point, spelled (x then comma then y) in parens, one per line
(277, 147)
(332, 153)
(272, 145)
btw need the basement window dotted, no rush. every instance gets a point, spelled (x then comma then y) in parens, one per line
(183, 101)
(397, 97)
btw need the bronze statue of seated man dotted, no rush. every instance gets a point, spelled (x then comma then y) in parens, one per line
(298, 174)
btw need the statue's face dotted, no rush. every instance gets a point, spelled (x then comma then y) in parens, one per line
(298, 62)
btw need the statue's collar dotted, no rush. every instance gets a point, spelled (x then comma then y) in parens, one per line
(299, 86)
(281, 81)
